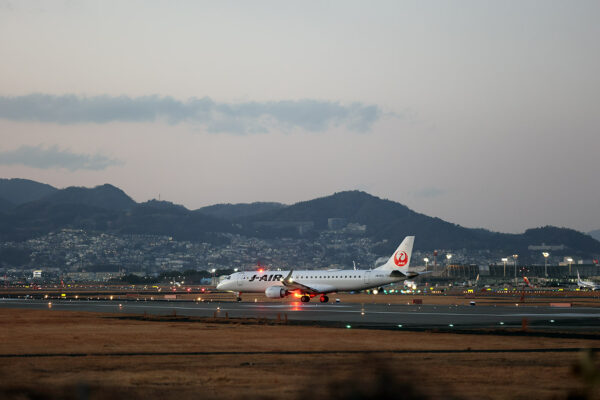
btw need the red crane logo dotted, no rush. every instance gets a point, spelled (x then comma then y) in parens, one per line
(400, 258)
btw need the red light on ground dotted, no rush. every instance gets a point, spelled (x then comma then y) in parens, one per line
(189, 290)
(203, 289)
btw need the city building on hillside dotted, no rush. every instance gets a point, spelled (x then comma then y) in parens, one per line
(546, 247)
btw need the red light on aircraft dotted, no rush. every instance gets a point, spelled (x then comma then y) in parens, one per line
(261, 270)
(189, 289)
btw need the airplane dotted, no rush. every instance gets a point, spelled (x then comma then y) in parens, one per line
(411, 285)
(587, 284)
(308, 284)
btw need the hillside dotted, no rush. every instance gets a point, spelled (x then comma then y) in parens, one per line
(595, 234)
(105, 196)
(6, 206)
(20, 191)
(391, 221)
(384, 219)
(163, 218)
(108, 209)
(234, 211)
(37, 218)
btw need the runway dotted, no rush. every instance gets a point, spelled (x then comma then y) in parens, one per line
(345, 314)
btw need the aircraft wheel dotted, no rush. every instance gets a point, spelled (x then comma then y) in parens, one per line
(238, 298)
(305, 299)
(324, 299)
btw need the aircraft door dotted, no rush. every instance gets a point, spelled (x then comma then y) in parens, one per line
(367, 277)
(240, 279)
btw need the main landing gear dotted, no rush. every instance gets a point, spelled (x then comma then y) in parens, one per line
(322, 299)
(238, 296)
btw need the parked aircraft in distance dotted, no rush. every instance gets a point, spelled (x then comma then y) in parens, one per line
(307, 284)
(527, 283)
(411, 285)
(586, 284)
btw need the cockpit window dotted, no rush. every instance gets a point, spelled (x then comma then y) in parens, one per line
(227, 277)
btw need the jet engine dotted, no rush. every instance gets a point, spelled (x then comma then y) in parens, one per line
(275, 292)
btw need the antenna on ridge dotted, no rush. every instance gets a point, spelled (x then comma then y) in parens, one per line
(354, 264)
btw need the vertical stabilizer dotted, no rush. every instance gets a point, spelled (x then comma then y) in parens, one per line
(400, 260)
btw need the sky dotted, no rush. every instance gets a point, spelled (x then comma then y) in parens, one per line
(483, 113)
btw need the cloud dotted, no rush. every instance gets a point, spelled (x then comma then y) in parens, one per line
(238, 118)
(53, 157)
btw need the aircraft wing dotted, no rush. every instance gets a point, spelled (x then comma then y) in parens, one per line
(315, 288)
(408, 275)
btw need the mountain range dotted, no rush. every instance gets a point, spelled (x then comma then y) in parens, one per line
(595, 234)
(29, 209)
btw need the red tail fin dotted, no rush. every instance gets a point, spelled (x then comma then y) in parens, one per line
(527, 283)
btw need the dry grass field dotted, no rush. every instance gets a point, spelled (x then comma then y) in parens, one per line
(56, 354)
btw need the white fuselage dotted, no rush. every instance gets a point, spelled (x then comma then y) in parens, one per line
(588, 284)
(325, 281)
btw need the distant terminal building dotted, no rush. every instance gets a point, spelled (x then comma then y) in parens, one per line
(93, 276)
(546, 247)
(37, 273)
(336, 224)
(561, 271)
(466, 271)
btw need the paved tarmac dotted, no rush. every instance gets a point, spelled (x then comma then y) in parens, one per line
(342, 314)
